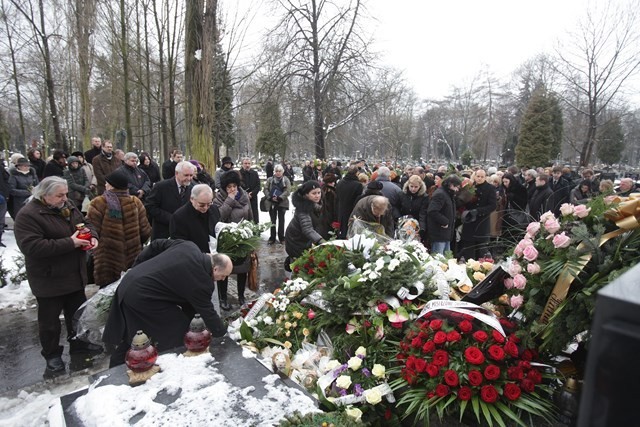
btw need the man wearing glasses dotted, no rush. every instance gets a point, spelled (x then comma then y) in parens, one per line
(196, 221)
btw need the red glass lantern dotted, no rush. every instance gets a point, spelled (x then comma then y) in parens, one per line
(84, 234)
(142, 355)
(198, 337)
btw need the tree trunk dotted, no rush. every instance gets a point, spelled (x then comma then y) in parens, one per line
(163, 106)
(124, 51)
(51, 94)
(14, 69)
(85, 18)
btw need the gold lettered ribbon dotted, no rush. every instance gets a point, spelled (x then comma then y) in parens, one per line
(627, 217)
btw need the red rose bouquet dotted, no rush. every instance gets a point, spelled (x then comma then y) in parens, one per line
(452, 362)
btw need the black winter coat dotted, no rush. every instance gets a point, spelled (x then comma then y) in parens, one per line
(189, 224)
(78, 185)
(20, 186)
(560, 190)
(54, 266)
(540, 201)
(163, 200)
(415, 205)
(347, 191)
(53, 168)
(484, 203)
(168, 169)
(250, 182)
(441, 216)
(138, 180)
(152, 171)
(301, 232)
(170, 281)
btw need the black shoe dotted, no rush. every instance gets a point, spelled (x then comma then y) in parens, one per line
(55, 364)
(241, 301)
(225, 305)
(81, 347)
(2, 245)
(281, 239)
(271, 241)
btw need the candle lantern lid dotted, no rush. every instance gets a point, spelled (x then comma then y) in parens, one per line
(197, 324)
(140, 340)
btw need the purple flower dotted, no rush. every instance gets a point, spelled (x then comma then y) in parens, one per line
(358, 390)
(361, 356)
(366, 372)
(343, 392)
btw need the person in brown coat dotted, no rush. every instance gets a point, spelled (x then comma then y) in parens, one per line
(45, 231)
(121, 222)
(104, 164)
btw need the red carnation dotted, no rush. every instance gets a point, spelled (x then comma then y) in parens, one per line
(475, 378)
(420, 323)
(310, 272)
(524, 364)
(404, 346)
(322, 264)
(296, 269)
(307, 266)
(511, 348)
(430, 395)
(492, 372)
(474, 356)
(527, 385)
(515, 373)
(335, 225)
(424, 335)
(497, 336)
(507, 324)
(428, 347)
(432, 370)
(383, 307)
(397, 325)
(367, 324)
(496, 352)
(421, 365)
(464, 393)
(409, 376)
(511, 391)
(435, 324)
(514, 338)
(454, 336)
(465, 326)
(440, 337)
(440, 358)
(527, 355)
(411, 363)
(489, 394)
(401, 356)
(442, 390)
(480, 336)
(451, 377)
(416, 342)
(535, 376)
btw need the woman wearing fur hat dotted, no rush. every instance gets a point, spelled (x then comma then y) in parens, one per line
(302, 230)
(77, 181)
(121, 222)
(233, 203)
(22, 180)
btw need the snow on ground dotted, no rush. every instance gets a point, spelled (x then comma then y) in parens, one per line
(14, 296)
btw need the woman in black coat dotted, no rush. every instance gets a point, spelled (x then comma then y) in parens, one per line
(302, 230)
(441, 215)
(149, 167)
(22, 180)
(516, 203)
(347, 191)
(414, 202)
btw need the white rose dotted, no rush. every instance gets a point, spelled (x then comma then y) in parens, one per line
(331, 365)
(354, 413)
(373, 396)
(268, 320)
(361, 351)
(378, 370)
(343, 381)
(354, 363)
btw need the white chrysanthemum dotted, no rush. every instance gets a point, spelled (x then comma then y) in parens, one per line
(379, 264)
(268, 320)
(393, 264)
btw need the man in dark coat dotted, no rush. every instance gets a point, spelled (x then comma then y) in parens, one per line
(251, 184)
(441, 215)
(139, 182)
(55, 166)
(170, 281)
(268, 168)
(560, 187)
(539, 202)
(347, 192)
(476, 224)
(45, 230)
(169, 165)
(96, 149)
(167, 196)
(104, 164)
(196, 220)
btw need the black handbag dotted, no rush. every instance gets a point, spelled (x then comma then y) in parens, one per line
(263, 204)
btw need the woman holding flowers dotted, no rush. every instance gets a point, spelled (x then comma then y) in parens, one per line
(233, 203)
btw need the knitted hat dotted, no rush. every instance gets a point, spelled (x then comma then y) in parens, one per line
(306, 188)
(374, 185)
(227, 159)
(229, 177)
(22, 161)
(72, 159)
(118, 179)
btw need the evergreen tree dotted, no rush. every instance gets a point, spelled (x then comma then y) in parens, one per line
(611, 141)
(538, 141)
(271, 140)
(4, 132)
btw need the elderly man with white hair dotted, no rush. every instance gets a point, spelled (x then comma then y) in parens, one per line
(626, 187)
(390, 190)
(167, 196)
(196, 220)
(139, 183)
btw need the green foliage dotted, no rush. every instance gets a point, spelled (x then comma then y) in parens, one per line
(610, 141)
(467, 157)
(4, 132)
(540, 131)
(223, 101)
(271, 138)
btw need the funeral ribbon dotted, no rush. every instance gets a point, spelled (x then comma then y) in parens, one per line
(463, 307)
(626, 217)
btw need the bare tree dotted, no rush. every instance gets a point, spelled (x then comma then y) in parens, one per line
(603, 54)
(14, 69)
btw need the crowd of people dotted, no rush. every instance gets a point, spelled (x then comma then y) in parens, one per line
(86, 218)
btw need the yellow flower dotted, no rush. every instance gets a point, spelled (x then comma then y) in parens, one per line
(287, 334)
(354, 413)
(473, 264)
(332, 364)
(378, 370)
(306, 332)
(278, 321)
(478, 276)
(361, 351)
(294, 324)
(487, 265)
(343, 381)
(354, 363)
(373, 396)
(285, 316)
(297, 315)
(287, 344)
(444, 267)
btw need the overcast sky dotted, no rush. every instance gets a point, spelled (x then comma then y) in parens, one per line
(440, 43)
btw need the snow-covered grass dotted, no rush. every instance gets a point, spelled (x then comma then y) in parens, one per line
(14, 296)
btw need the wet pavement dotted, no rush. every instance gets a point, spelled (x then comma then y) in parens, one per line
(23, 368)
